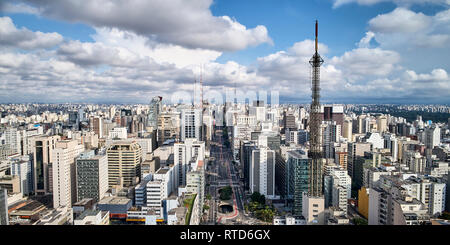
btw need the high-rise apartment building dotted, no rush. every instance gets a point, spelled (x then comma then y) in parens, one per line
(429, 191)
(185, 153)
(341, 158)
(334, 113)
(337, 188)
(355, 150)
(390, 142)
(382, 125)
(347, 129)
(12, 138)
(96, 125)
(432, 136)
(331, 133)
(388, 209)
(64, 172)
(22, 167)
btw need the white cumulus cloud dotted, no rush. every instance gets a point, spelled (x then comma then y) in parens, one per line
(23, 38)
(186, 23)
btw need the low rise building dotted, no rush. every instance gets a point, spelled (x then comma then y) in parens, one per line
(289, 220)
(59, 216)
(117, 206)
(92, 217)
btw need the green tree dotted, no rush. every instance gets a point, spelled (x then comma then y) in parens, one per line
(225, 193)
(257, 197)
(445, 215)
(359, 221)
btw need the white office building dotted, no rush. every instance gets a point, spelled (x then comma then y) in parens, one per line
(22, 167)
(118, 133)
(184, 154)
(432, 136)
(12, 138)
(64, 174)
(262, 172)
(160, 188)
(191, 124)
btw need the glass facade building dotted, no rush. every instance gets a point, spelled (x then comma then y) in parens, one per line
(297, 176)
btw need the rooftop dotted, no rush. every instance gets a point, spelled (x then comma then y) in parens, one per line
(298, 154)
(31, 206)
(115, 200)
(83, 202)
(162, 171)
(96, 157)
(88, 212)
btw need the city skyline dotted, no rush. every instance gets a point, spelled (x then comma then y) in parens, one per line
(220, 113)
(374, 51)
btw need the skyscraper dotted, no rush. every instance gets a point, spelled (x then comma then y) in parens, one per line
(124, 159)
(74, 119)
(334, 113)
(64, 176)
(347, 129)
(262, 176)
(315, 170)
(432, 136)
(12, 138)
(331, 132)
(184, 153)
(4, 219)
(92, 176)
(191, 124)
(153, 112)
(97, 126)
(43, 147)
(297, 178)
(289, 122)
(22, 168)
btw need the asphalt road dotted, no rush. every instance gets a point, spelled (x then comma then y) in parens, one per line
(223, 172)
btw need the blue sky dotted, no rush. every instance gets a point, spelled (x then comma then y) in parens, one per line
(291, 21)
(384, 50)
(74, 31)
